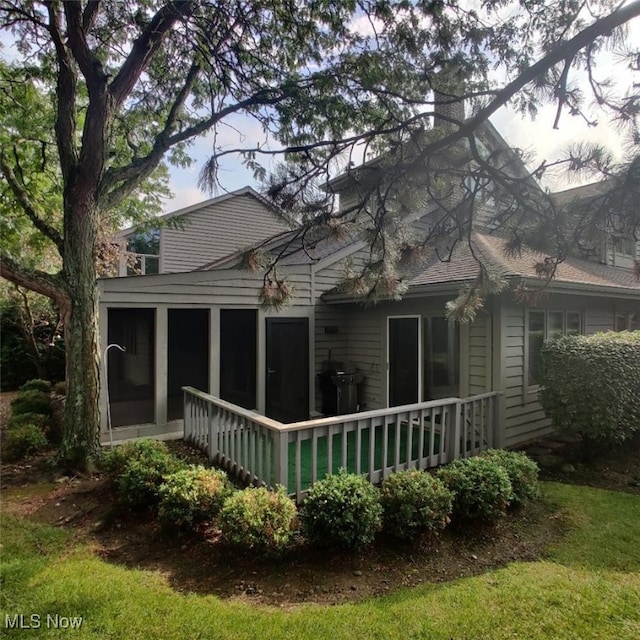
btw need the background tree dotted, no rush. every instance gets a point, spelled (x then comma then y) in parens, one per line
(132, 83)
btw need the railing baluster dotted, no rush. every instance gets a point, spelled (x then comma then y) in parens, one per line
(421, 428)
(330, 450)
(314, 455)
(396, 448)
(385, 446)
(372, 449)
(256, 448)
(358, 446)
(298, 463)
(410, 423)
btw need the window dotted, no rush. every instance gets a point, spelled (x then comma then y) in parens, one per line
(574, 324)
(535, 339)
(625, 247)
(546, 325)
(143, 251)
(627, 321)
(481, 188)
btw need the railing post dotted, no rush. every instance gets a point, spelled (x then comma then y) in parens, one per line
(188, 426)
(210, 432)
(454, 432)
(281, 455)
(497, 433)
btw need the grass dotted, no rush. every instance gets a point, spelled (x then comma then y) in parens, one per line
(587, 587)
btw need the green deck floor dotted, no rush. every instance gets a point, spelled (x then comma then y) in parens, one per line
(338, 460)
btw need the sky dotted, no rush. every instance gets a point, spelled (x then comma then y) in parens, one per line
(537, 138)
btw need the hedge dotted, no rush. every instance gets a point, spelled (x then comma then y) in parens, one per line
(591, 385)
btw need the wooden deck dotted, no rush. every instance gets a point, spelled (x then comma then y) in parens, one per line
(263, 451)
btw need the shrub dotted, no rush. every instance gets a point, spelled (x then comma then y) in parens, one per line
(192, 495)
(140, 468)
(343, 511)
(38, 419)
(602, 405)
(23, 440)
(115, 460)
(36, 385)
(414, 501)
(60, 388)
(481, 489)
(522, 472)
(32, 401)
(259, 519)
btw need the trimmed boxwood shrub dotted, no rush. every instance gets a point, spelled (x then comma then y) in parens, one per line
(23, 440)
(481, 489)
(342, 511)
(115, 460)
(522, 471)
(591, 385)
(414, 502)
(259, 519)
(32, 401)
(38, 419)
(36, 384)
(140, 467)
(192, 495)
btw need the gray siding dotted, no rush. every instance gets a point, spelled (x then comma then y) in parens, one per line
(331, 335)
(366, 350)
(367, 347)
(215, 231)
(479, 355)
(599, 319)
(524, 418)
(223, 287)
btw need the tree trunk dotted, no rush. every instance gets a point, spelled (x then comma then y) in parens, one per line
(80, 438)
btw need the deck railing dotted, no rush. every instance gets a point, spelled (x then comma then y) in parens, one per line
(262, 451)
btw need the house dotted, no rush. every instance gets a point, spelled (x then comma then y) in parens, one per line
(204, 328)
(186, 239)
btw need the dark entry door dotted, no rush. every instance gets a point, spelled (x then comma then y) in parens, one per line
(287, 390)
(403, 360)
(187, 356)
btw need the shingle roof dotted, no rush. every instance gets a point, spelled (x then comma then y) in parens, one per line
(584, 192)
(491, 251)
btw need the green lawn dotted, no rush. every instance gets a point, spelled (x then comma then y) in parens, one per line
(587, 587)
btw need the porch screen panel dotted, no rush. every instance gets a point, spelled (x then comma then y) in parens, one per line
(403, 361)
(187, 356)
(131, 374)
(238, 356)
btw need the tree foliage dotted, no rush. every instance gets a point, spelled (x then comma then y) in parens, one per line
(98, 94)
